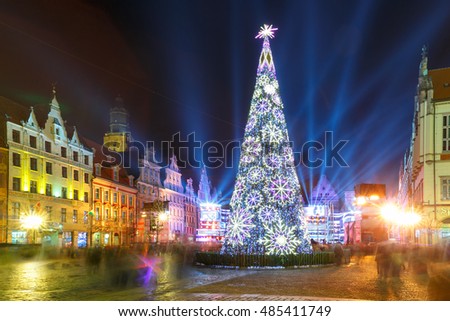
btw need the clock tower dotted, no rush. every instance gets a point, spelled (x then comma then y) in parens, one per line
(119, 135)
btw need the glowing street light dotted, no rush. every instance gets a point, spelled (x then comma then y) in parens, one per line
(32, 222)
(163, 217)
(390, 212)
(394, 216)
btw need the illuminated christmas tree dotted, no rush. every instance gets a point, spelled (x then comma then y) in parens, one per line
(267, 216)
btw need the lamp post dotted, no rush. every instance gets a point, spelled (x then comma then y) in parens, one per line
(160, 213)
(161, 218)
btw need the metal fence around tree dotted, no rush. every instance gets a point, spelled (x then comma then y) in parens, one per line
(244, 260)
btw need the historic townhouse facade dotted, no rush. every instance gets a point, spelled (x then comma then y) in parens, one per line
(113, 218)
(49, 174)
(191, 209)
(165, 212)
(168, 212)
(175, 226)
(149, 190)
(424, 182)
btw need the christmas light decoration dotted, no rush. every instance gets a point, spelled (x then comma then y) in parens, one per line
(280, 239)
(267, 216)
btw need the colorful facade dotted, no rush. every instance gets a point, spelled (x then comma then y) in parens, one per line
(49, 173)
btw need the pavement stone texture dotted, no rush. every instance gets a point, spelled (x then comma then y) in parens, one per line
(346, 282)
(69, 279)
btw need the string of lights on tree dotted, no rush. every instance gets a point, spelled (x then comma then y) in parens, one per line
(267, 216)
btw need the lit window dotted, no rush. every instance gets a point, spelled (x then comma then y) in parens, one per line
(75, 216)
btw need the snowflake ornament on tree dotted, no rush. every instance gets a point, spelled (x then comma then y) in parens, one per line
(280, 238)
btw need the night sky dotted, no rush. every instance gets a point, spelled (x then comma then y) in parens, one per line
(349, 67)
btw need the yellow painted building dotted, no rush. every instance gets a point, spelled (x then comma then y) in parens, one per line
(424, 182)
(49, 176)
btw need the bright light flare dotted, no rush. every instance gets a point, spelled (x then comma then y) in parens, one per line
(361, 200)
(163, 217)
(389, 212)
(32, 222)
(374, 197)
(408, 219)
(266, 32)
(392, 214)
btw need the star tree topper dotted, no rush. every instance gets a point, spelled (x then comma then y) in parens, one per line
(266, 32)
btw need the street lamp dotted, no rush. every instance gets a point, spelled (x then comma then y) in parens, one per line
(32, 222)
(161, 218)
(394, 216)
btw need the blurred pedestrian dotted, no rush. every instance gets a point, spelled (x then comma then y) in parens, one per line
(93, 259)
(383, 259)
(338, 253)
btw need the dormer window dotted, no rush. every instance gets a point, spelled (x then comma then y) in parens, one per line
(130, 180)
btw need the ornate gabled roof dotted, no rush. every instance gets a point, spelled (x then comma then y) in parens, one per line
(75, 139)
(108, 163)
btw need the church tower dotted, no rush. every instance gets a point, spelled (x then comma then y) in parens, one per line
(119, 135)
